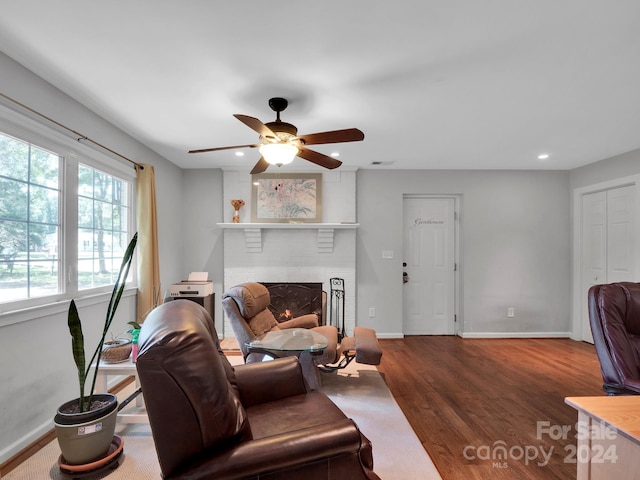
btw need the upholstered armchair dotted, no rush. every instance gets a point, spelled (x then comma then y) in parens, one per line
(246, 307)
(254, 421)
(614, 316)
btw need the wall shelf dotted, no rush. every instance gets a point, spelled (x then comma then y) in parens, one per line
(253, 232)
(289, 225)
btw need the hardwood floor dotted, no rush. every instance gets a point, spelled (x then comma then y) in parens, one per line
(465, 398)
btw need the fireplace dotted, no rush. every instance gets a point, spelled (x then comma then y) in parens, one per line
(294, 254)
(294, 299)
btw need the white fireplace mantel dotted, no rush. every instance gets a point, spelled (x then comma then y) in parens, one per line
(253, 232)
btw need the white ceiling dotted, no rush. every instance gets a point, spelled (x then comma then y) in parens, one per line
(449, 84)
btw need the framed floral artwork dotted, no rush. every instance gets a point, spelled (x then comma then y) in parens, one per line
(286, 198)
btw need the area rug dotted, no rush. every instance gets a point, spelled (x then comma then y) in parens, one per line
(359, 390)
(361, 393)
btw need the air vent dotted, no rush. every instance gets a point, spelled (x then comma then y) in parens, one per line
(383, 163)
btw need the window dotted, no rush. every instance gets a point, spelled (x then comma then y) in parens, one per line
(65, 220)
(102, 227)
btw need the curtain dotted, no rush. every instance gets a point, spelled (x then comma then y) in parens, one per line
(149, 289)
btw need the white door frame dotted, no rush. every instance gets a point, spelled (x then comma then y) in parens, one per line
(578, 193)
(457, 214)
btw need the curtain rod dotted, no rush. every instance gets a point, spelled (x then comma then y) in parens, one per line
(80, 135)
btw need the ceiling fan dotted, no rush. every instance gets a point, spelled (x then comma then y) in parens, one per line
(280, 142)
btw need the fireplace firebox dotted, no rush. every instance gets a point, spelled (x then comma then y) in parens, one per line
(290, 300)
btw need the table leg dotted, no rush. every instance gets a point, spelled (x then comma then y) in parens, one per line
(101, 382)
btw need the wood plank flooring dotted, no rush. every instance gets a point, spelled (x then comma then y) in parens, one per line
(465, 398)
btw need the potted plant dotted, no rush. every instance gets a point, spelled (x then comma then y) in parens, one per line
(135, 333)
(85, 426)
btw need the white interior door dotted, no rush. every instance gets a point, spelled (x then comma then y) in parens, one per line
(621, 234)
(429, 255)
(594, 250)
(608, 242)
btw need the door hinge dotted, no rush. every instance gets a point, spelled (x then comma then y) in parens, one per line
(455, 267)
(455, 318)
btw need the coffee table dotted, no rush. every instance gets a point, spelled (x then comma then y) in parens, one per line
(288, 342)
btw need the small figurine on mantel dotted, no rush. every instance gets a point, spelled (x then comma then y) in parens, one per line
(237, 204)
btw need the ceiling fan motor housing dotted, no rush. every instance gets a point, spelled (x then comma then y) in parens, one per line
(282, 127)
(278, 104)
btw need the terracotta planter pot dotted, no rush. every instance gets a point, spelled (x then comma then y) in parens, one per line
(86, 437)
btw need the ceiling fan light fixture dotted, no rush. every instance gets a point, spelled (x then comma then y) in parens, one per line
(278, 153)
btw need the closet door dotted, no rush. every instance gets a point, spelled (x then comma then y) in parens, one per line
(608, 239)
(620, 234)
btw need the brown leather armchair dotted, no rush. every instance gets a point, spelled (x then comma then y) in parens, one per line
(614, 316)
(246, 307)
(255, 421)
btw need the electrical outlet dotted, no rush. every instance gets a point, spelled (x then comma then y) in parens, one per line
(511, 312)
(387, 253)
(372, 312)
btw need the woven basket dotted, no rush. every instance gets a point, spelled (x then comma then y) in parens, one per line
(116, 351)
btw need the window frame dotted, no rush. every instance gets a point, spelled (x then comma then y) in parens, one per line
(72, 153)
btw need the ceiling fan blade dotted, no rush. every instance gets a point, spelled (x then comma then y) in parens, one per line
(335, 136)
(223, 148)
(256, 125)
(259, 167)
(319, 158)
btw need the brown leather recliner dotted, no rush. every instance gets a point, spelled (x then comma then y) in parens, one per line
(614, 316)
(256, 421)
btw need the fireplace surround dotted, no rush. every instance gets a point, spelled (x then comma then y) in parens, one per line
(290, 254)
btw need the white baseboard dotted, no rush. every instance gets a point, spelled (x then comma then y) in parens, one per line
(389, 335)
(515, 334)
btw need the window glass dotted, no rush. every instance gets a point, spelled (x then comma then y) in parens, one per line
(29, 220)
(101, 229)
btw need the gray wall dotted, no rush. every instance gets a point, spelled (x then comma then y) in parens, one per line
(514, 246)
(203, 242)
(620, 166)
(38, 373)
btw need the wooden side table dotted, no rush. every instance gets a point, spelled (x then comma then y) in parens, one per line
(127, 368)
(608, 433)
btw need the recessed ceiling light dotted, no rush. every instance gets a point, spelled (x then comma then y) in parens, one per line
(335, 154)
(543, 156)
(239, 154)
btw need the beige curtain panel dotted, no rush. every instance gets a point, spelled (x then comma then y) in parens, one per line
(149, 288)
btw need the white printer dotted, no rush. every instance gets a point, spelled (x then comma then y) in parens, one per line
(197, 285)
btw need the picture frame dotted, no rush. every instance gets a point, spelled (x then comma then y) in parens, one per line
(286, 198)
